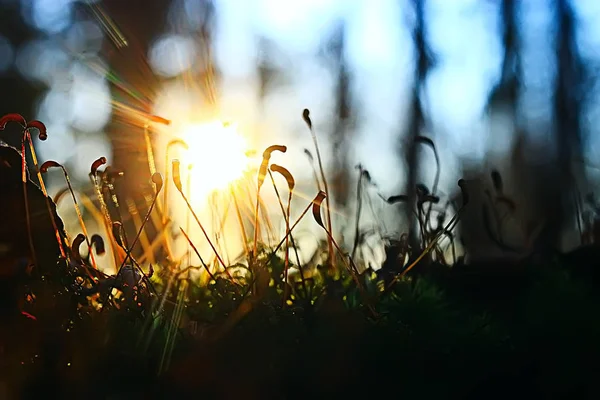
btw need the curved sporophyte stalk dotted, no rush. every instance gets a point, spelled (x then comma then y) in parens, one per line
(179, 186)
(188, 185)
(172, 143)
(136, 217)
(165, 202)
(98, 188)
(308, 121)
(318, 199)
(42, 136)
(262, 173)
(449, 226)
(287, 215)
(359, 202)
(149, 150)
(152, 165)
(158, 183)
(53, 164)
(59, 195)
(350, 265)
(118, 232)
(311, 160)
(118, 253)
(75, 254)
(98, 244)
(90, 207)
(427, 141)
(108, 178)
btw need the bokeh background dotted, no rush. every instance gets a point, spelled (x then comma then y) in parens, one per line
(495, 83)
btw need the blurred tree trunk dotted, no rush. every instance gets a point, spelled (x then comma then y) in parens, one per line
(342, 131)
(423, 65)
(547, 173)
(506, 92)
(134, 84)
(502, 101)
(567, 113)
(558, 180)
(140, 21)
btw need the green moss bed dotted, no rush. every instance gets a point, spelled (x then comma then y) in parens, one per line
(527, 329)
(470, 334)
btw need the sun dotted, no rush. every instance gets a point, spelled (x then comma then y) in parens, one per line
(215, 158)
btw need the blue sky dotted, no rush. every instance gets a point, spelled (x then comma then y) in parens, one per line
(462, 33)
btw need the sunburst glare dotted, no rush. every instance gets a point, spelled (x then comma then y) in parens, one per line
(218, 154)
